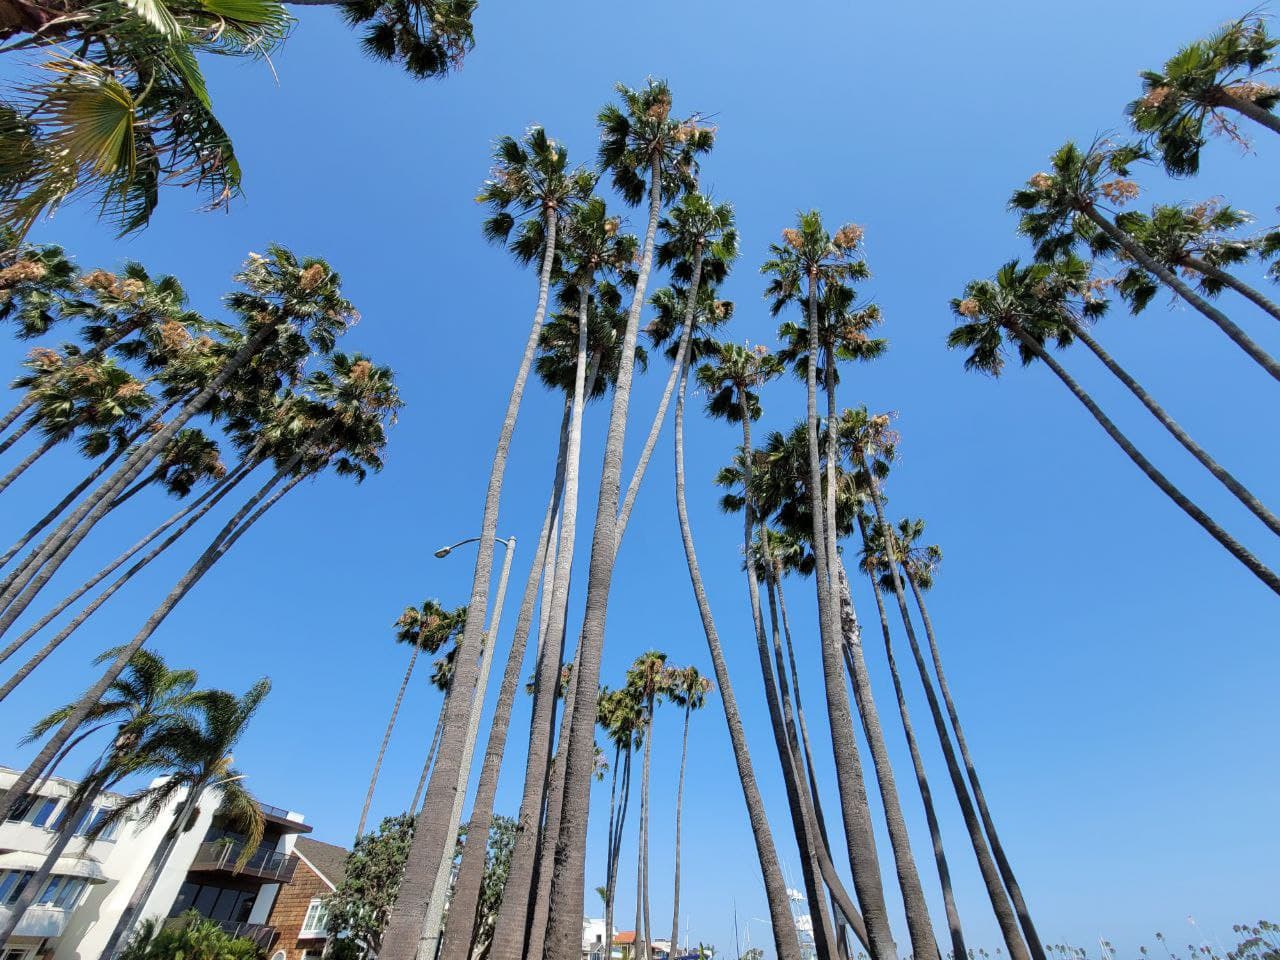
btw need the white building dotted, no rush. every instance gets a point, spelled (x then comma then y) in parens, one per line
(75, 912)
(593, 932)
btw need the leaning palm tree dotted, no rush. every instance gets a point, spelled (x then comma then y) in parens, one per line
(1070, 203)
(809, 260)
(288, 308)
(422, 628)
(1009, 307)
(686, 688)
(1202, 80)
(345, 431)
(866, 437)
(197, 746)
(644, 147)
(141, 703)
(531, 191)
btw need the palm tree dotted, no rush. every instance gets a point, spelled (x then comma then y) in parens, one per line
(422, 628)
(197, 746)
(866, 436)
(1191, 239)
(1198, 83)
(345, 430)
(642, 138)
(686, 688)
(871, 564)
(531, 191)
(141, 703)
(1062, 207)
(919, 565)
(810, 259)
(786, 942)
(647, 679)
(620, 714)
(287, 307)
(1008, 306)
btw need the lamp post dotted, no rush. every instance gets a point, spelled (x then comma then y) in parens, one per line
(434, 922)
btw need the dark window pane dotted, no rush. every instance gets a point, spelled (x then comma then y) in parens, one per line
(186, 896)
(44, 812)
(205, 900)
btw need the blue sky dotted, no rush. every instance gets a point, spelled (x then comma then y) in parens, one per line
(1115, 668)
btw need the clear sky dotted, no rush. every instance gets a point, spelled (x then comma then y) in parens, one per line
(1114, 667)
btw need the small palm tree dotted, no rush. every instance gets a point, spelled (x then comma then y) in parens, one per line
(686, 688)
(649, 682)
(620, 714)
(197, 746)
(1009, 308)
(422, 628)
(1199, 83)
(142, 702)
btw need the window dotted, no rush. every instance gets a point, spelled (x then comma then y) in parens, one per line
(44, 811)
(23, 807)
(316, 920)
(62, 892)
(12, 883)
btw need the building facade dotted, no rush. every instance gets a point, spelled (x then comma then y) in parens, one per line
(299, 916)
(77, 908)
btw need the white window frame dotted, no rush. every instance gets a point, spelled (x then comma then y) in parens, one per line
(314, 924)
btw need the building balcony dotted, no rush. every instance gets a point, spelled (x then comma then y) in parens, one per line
(40, 920)
(270, 865)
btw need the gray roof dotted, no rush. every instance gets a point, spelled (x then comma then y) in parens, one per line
(328, 858)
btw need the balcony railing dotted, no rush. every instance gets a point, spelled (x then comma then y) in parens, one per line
(261, 934)
(266, 864)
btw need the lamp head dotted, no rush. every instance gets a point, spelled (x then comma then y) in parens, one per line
(443, 551)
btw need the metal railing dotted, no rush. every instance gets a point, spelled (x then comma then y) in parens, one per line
(265, 863)
(261, 934)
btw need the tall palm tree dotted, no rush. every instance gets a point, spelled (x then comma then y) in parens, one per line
(197, 746)
(871, 564)
(422, 628)
(531, 191)
(644, 147)
(866, 435)
(593, 248)
(1066, 205)
(786, 942)
(346, 431)
(808, 260)
(686, 688)
(1198, 83)
(1007, 307)
(620, 715)
(140, 704)
(288, 307)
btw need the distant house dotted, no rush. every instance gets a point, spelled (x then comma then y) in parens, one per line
(299, 915)
(624, 947)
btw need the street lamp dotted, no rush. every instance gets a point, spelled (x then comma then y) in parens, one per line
(434, 922)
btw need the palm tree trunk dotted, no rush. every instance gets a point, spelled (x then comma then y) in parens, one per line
(675, 895)
(786, 943)
(919, 925)
(14, 412)
(386, 738)
(564, 933)
(1226, 479)
(61, 841)
(646, 806)
(637, 944)
(958, 950)
(66, 501)
(1231, 281)
(615, 857)
(1248, 109)
(49, 443)
(802, 817)
(613, 824)
(1232, 546)
(1018, 949)
(200, 506)
(426, 767)
(1171, 280)
(997, 848)
(854, 808)
(55, 548)
(18, 434)
(225, 539)
(405, 931)
(460, 924)
(147, 883)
